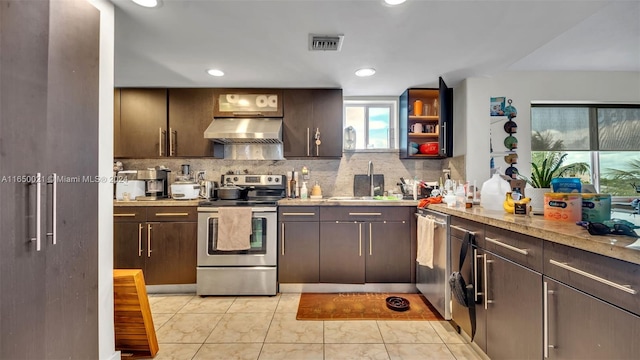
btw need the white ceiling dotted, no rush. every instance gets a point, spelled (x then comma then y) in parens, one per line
(264, 43)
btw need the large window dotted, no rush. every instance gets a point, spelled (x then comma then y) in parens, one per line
(604, 136)
(369, 124)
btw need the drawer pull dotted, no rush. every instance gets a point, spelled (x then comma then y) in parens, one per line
(124, 215)
(364, 214)
(625, 288)
(462, 229)
(172, 214)
(507, 246)
(299, 214)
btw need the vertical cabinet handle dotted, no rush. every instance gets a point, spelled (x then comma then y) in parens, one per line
(54, 208)
(370, 242)
(359, 239)
(282, 232)
(148, 240)
(444, 138)
(475, 274)
(140, 240)
(545, 319)
(173, 142)
(159, 141)
(486, 282)
(37, 183)
(308, 142)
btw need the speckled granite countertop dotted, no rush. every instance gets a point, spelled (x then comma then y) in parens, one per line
(565, 233)
(167, 202)
(331, 202)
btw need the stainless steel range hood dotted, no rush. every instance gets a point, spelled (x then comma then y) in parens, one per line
(245, 131)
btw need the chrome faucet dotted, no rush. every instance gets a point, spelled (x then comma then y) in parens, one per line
(370, 174)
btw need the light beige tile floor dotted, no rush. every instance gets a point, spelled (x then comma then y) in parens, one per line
(255, 327)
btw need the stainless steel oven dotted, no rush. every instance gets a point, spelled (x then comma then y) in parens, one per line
(241, 272)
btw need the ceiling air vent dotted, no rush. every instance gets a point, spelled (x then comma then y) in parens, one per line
(325, 42)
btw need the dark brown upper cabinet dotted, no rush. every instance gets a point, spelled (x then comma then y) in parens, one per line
(426, 118)
(312, 123)
(189, 116)
(141, 127)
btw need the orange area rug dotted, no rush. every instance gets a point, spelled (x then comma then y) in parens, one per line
(362, 306)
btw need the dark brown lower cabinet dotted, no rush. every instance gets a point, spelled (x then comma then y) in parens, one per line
(342, 250)
(365, 252)
(166, 251)
(388, 257)
(513, 309)
(580, 326)
(299, 252)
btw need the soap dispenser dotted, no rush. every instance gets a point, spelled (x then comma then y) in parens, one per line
(303, 190)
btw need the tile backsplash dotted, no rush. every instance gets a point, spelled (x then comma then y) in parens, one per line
(335, 176)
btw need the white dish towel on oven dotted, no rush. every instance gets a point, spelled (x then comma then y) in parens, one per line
(426, 228)
(234, 228)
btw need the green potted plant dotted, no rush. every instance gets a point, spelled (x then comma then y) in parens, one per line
(545, 166)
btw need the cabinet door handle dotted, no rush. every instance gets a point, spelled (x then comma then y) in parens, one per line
(359, 239)
(38, 185)
(545, 319)
(486, 283)
(148, 240)
(161, 136)
(299, 214)
(475, 274)
(462, 229)
(282, 232)
(507, 246)
(370, 242)
(444, 139)
(124, 215)
(172, 148)
(308, 142)
(54, 208)
(140, 240)
(364, 214)
(625, 288)
(172, 214)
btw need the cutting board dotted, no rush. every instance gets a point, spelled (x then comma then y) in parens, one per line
(361, 186)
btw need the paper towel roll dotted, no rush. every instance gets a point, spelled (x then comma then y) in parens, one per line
(232, 98)
(272, 100)
(261, 101)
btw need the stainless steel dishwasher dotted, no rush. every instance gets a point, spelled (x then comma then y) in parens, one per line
(433, 283)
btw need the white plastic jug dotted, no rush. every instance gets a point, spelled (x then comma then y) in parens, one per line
(493, 192)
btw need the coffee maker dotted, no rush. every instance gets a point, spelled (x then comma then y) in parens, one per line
(156, 183)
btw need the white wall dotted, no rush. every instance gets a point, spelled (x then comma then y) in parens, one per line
(523, 88)
(105, 190)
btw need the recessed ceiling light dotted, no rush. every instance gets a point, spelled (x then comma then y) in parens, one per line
(365, 72)
(215, 72)
(394, 2)
(146, 3)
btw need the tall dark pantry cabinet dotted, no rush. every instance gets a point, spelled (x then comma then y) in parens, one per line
(49, 67)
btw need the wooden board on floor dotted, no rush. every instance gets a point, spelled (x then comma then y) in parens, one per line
(134, 330)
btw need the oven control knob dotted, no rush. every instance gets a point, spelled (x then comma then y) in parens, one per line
(276, 179)
(235, 178)
(269, 179)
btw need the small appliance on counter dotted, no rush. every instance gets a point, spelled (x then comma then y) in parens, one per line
(185, 190)
(128, 186)
(156, 183)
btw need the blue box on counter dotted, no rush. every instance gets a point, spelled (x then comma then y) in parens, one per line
(566, 185)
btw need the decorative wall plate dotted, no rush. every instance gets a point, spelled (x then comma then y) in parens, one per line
(511, 142)
(511, 172)
(510, 111)
(511, 127)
